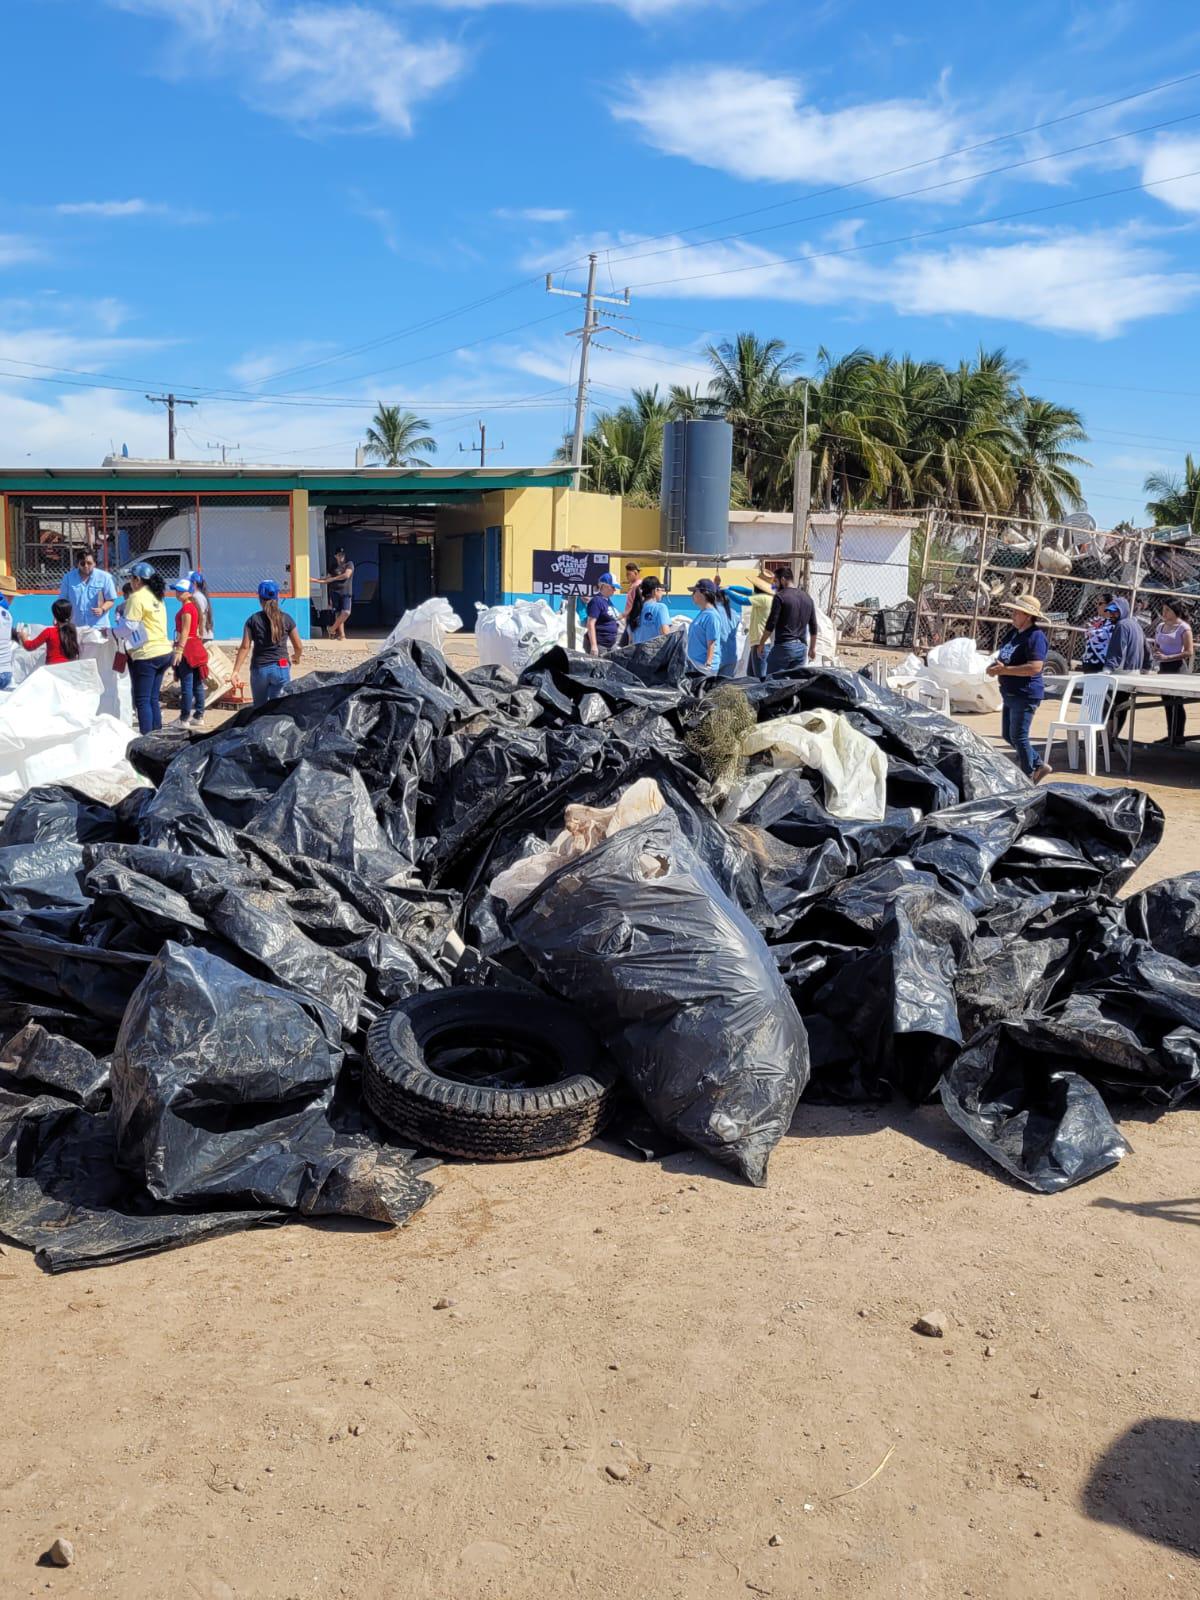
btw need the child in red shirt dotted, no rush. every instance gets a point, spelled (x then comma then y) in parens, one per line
(61, 640)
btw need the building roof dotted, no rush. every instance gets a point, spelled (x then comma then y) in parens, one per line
(184, 476)
(853, 519)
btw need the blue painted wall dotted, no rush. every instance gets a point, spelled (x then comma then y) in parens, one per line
(229, 613)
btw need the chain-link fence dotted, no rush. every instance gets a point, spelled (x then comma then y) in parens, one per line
(974, 565)
(236, 539)
(861, 574)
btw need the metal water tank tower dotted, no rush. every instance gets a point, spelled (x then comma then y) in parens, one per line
(696, 469)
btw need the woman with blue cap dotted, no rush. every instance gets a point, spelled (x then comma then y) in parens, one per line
(603, 622)
(265, 639)
(203, 605)
(705, 632)
(147, 644)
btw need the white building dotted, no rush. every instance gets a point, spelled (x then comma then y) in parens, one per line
(875, 551)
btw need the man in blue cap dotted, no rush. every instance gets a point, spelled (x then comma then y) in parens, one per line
(603, 621)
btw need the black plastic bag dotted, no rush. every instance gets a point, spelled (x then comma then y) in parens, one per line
(222, 1091)
(873, 971)
(35, 1061)
(1023, 1105)
(677, 980)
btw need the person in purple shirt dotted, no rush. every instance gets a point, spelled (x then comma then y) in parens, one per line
(603, 621)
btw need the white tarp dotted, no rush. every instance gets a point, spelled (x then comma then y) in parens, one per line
(853, 767)
(432, 621)
(52, 731)
(584, 827)
(511, 636)
(960, 668)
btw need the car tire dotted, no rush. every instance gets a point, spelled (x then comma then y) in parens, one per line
(466, 1113)
(1056, 664)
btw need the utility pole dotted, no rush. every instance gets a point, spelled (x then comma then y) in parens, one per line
(170, 401)
(222, 448)
(801, 498)
(585, 335)
(480, 449)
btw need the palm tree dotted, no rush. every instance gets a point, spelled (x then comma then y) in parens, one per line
(1175, 500)
(855, 430)
(750, 384)
(396, 437)
(1046, 486)
(966, 462)
(622, 450)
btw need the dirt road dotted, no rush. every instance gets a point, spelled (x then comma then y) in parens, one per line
(652, 1383)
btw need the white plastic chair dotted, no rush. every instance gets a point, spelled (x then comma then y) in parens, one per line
(1090, 720)
(928, 693)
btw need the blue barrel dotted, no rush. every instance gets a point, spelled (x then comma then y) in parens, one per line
(696, 472)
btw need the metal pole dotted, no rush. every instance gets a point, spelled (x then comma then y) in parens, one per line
(170, 427)
(801, 501)
(983, 536)
(836, 568)
(482, 443)
(589, 318)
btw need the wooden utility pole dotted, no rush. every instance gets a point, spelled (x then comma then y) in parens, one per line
(170, 401)
(480, 449)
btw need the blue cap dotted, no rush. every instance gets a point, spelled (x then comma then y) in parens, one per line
(196, 577)
(707, 588)
(607, 577)
(181, 586)
(268, 589)
(143, 570)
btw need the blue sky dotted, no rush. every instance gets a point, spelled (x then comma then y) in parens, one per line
(292, 210)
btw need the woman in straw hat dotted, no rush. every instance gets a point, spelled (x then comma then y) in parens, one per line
(1018, 665)
(8, 589)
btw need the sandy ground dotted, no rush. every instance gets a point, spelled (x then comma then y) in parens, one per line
(285, 1414)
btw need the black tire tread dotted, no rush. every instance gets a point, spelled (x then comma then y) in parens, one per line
(478, 1122)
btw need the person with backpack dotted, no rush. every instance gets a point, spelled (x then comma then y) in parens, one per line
(189, 657)
(265, 640)
(61, 638)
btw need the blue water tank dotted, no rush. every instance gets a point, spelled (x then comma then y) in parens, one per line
(694, 506)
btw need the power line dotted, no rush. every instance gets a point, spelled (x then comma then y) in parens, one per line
(878, 177)
(909, 194)
(911, 238)
(949, 155)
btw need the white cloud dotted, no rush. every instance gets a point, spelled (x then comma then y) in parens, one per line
(345, 67)
(618, 367)
(1095, 283)
(640, 10)
(120, 210)
(256, 365)
(1168, 158)
(531, 214)
(756, 126)
(15, 249)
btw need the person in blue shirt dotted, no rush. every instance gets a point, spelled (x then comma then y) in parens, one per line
(1019, 666)
(603, 621)
(8, 589)
(728, 648)
(92, 593)
(704, 630)
(648, 616)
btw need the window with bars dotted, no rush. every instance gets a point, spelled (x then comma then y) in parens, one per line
(236, 539)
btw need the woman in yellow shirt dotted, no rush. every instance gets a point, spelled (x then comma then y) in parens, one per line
(149, 658)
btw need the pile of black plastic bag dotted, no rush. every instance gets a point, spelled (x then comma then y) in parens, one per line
(186, 980)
